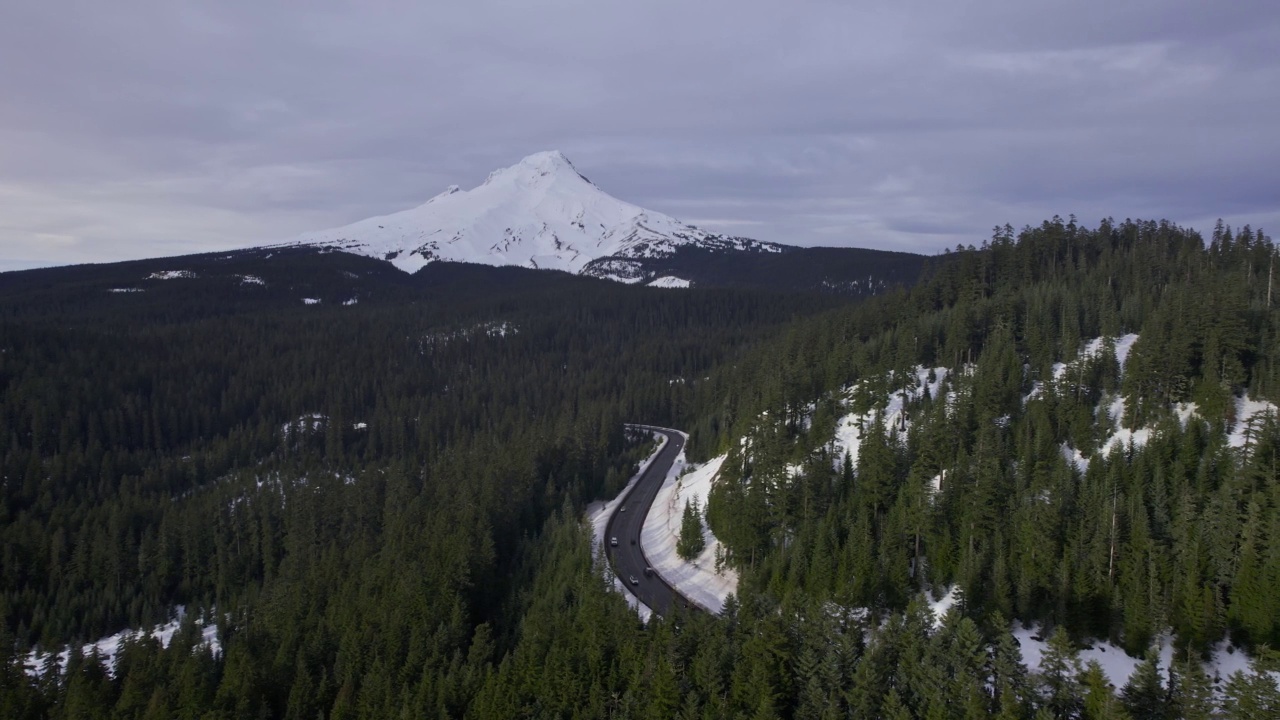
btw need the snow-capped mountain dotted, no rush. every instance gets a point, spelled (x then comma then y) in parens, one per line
(539, 213)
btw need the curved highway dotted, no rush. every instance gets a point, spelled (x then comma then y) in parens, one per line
(627, 557)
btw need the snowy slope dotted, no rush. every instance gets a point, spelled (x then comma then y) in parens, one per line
(109, 647)
(538, 213)
(698, 579)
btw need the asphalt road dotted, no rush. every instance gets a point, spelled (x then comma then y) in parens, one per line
(628, 557)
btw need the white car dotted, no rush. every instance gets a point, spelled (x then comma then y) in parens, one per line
(634, 581)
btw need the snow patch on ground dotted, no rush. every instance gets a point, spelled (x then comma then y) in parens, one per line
(252, 280)
(310, 301)
(848, 437)
(669, 281)
(496, 329)
(696, 580)
(1037, 389)
(1250, 417)
(1093, 348)
(310, 422)
(501, 329)
(621, 279)
(941, 606)
(1124, 344)
(108, 647)
(1116, 665)
(1250, 414)
(1123, 437)
(1111, 409)
(851, 427)
(1184, 411)
(1059, 370)
(1074, 457)
(171, 275)
(125, 290)
(1224, 660)
(352, 301)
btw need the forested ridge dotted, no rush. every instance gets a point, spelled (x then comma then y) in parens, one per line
(1170, 532)
(379, 503)
(974, 487)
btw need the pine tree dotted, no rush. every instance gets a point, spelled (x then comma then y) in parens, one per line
(1007, 671)
(1059, 676)
(1144, 695)
(1192, 698)
(1253, 695)
(893, 708)
(691, 543)
(1099, 701)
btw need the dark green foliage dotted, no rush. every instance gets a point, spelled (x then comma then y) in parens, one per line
(1190, 691)
(1060, 673)
(1251, 696)
(1099, 702)
(690, 543)
(356, 493)
(154, 448)
(1177, 532)
(416, 550)
(1145, 696)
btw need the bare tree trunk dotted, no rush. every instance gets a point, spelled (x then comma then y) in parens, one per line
(1111, 559)
(1270, 273)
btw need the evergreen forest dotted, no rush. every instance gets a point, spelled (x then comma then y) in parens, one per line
(373, 485)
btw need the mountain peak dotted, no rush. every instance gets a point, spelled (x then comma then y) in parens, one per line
(547, 159)
(532, 168)
(539, 213)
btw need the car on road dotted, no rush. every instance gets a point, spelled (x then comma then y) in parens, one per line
(648, 572)
(622, 509)
(613, 541)
(634, 581)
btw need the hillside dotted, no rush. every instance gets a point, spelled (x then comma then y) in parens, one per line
(1063, 441)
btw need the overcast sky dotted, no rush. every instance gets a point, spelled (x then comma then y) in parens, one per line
(134, 129)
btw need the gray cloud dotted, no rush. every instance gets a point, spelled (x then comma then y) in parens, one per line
(144, 128)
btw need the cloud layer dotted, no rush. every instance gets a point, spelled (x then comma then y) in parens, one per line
(143, 128)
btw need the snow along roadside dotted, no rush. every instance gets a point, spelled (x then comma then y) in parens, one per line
(598, 514)
(696, 580)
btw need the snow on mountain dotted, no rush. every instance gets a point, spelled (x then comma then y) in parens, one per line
(669, 281)
(539, 213)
